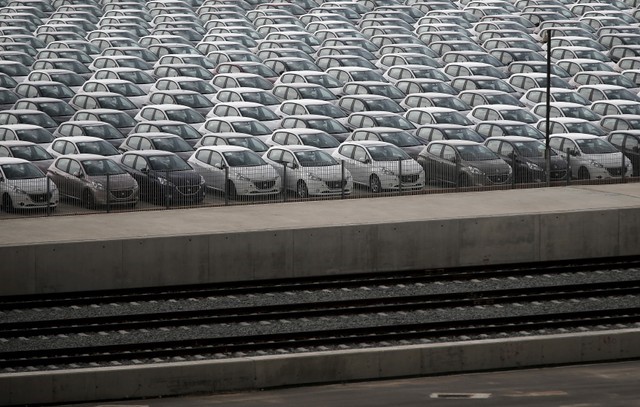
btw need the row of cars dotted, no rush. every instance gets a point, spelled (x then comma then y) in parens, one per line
(175, 76)
(163, 177)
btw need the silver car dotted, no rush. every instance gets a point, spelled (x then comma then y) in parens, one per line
(24, 186)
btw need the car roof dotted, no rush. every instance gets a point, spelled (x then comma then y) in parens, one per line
(83, 157)
(12, 160)
(514, 138)
(456, 142)
(79, 139)
(223, 148)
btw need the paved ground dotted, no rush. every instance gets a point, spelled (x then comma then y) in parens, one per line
(600, 385)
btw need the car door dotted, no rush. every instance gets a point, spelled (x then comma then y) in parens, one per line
(631, 149)
(215, 171)
(447, 165)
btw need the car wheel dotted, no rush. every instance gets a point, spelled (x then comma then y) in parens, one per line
(583, 173)
(88, 200)
(7, 203)
(301, 190)
(374, 184)
(231, 191)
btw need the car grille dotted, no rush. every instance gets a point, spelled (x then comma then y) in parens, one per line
(264, 184)
(189, 189)
(615, 171)
(40, 197)
(335, 184)
(410, 178)
(122, 194)
(498, 179)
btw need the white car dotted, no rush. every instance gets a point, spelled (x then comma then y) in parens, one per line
(592, 157)
(309, 171)
(23, 185)
(380, 165)
(235, 171)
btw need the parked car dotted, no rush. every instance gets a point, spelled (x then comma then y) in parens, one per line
(26, 150)
(628, 142)
(236, 171)
(463, 163)
(24, 186)
(164, 177)
(380, 166)
(309, 171)
(93, 180)
(526, 156)
(592, 157)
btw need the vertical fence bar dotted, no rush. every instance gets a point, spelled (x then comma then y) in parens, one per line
(108, 193)
(400, 176)
(458, 174)
(514, 170)
(568, 167)
(623, 168)
(343, 181)
(166, 189)
(227, 186)
(49, 196)
(284, 182)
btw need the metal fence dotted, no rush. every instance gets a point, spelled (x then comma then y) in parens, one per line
(80, 193)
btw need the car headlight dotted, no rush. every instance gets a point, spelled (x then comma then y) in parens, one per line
(165, 182)
(475, 170)
(201, 180)
(313, 177)
(386, 171)
(241, 177)
(532, 166)
(596, 164)
(97, 185)
(18, 190)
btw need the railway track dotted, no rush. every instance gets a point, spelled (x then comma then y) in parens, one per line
(377, 319)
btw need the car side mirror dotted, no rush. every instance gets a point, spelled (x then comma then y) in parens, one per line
(219, 166)
(1, 179)
(574, 153)
(367, 160)
(635, 149)
(145, 170)
(78, 174)
(293, 166)
(453, 159)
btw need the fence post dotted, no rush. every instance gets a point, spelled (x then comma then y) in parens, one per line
(400, 176)
(48, 196)
(227, 188)
(624, 167)
(514, 167)
(458, 175)
(284, 182)
(108, 193)
(166, 189)
(343, 182)
(568, 167)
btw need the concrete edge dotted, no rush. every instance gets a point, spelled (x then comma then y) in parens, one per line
(254, 373)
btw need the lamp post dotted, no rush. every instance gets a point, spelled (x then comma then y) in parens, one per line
(547, 150)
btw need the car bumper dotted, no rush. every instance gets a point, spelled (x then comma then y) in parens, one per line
(34, 201)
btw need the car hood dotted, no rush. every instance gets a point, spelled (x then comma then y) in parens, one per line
(608, 160)
(182, 177)
(31, 186)
(43, 164)
(256, 173)
(118, 181)
(325, 171)
(490, 167)
(408, 166)
(413, 151)
(557, 162)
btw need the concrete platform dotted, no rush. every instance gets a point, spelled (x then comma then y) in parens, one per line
(109, 251)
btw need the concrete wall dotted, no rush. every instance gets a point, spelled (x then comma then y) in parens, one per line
(219, 257)
(253, 373)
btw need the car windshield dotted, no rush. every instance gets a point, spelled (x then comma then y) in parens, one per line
(68, 79)
(520, 115)
(185, 131)
(56, 91)
(103, 131)
(199, 86)
(450, 117)
(494, 84)
(202, 61)
(387, 153)
(320, 140)
(463, 134)
(315, 159)
(389, 91)
(173, 144)
(264, 98)
(395, 121)
(126, 89)
(168, 163)
(115, 102)
(522, 130)
(74, 66)
(326, 110)
(331, 126)
(255, 82)
(595, 146)
(324, 80)
(185, 116)
(254, 144)
(194, 100)
(584, 127)
(316, 92)
(488, 71)
(38, 136)
(502, 99)
(101, 167)
(137, 77)
(450, 102)
(258, 112)
(580, 113)
(134, 63)
(367, 75)
(97, 147)
(15, 70)
(400, 139)
(630, 108)
(476, 153)
(118, 120)
(243, 159)
(256, 128)
(572, 97)
(30, 153)
(620, 94)
(42, 120)
(533, 149)
(618, 80)
(485, 59)
(21, 171)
